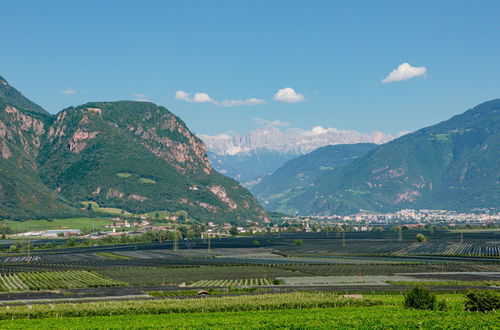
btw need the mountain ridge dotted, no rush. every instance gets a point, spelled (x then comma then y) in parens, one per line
(449, 165)
(132, 155)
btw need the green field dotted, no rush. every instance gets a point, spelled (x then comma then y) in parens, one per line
(376, 317)
(112, 255)
(24, 281)
(292, 310)
(70, 223)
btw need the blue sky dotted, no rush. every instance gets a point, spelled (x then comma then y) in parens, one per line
(333, 54)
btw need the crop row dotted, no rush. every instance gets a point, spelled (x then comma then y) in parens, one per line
(453, 248)
(21, 259)
(49, 280)
(165, 306)
(229, 283)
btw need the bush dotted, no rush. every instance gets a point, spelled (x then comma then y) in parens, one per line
(299, 242)
(420, 298)
(421, 238)
(482, 300)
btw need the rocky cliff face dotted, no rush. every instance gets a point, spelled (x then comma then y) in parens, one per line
(140, 157)
(22, 194)
(136, 156)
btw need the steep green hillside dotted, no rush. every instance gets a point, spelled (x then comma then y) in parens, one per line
(139, 157)
(134, 156)
(451, 165)
(300, 173)
(22, 194)
(12, 96)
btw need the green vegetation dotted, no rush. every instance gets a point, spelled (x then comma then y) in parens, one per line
(482, 300)
(112, 255)
(95, 208)
(178, 275)
(421, 238)
(84, 224)
(121, 145)
(420, 170)
(233, 283)
(54, 280)
(446, 283)
(374, 317)
(166, 306)
(381, 269)
(297, 174)
(145, 180)
(420, 298)
(99, 149)
(123, 175)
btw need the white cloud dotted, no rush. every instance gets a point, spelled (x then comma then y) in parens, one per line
(288, 95)
(68, 91)
(404, 72)
(202, 98)
(267, 122)
(235, 103)
(205, 98)
(141, 97)
(317, 130)
(182, 95)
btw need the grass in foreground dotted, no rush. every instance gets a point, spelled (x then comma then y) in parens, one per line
(168, 306)
(373, 317)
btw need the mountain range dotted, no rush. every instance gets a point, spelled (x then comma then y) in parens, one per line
(451, 165)
(248, 158)
(135, 156)
(300, 173)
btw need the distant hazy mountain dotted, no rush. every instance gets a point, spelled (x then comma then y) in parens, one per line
(131, 155)
(302, 172)
(292, 140)
(248, 158)
(249, 167)
(451, 165)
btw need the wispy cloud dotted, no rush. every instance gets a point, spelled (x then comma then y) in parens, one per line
(68, 91)
(140, 97)
(205, 98)
(404, 72)
(288, 95)
(267, 122)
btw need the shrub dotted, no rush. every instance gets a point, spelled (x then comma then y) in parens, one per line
(482, 300)
(421, 238)
(420, 298)
(298, 242)
(442, 305)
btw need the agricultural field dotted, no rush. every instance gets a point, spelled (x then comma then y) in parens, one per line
(293, 310)
(387, 269)
(178, 275)
(92, 286)
(84, 224)
(453, 248)
(344, 280)
(376, 317)
(50, 280)
(233, 283)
